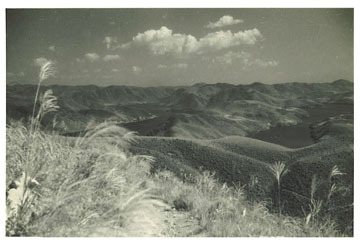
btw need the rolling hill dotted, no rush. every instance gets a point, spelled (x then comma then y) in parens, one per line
(204, 111)
(237, 159)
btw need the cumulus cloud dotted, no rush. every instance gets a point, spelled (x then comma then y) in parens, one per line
(164, 41)
(225, 39)
(109, 41)
(181, 65)
(92, 57)
(52, 48)
(264, 63)
(246, 60)
(177, 65)
(136, 70)
(230, 56)
(161, 66)
(114, 70)
(226, 20)
(40, 61)
(111, 57)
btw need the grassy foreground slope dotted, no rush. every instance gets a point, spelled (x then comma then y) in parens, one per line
(87, 187)
(92, 186)
(238, 160)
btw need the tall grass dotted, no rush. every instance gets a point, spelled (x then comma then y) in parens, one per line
(278, 170)
(223, 211)
(47, 70)
(30, 161)
(78, 189)
(321, 193)
(91, 185)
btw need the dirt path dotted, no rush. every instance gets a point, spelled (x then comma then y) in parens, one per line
(180, 224)
(158, 220)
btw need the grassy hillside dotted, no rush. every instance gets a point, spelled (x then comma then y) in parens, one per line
(59, 188)
(93, 186)
(74, 183)
(89, 186)
(239, 160)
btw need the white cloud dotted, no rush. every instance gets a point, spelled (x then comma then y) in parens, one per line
(40, 61)
(92, 57)
(264, 63)
(246, 60)
(161, 66)
(114, 70)
(181, 65)
(52, 48)
(109, 41)
(111, 57)
(177, 65)
(137, 70)
(226, 20)
(164, 41)
(225, 39)
(230, 56)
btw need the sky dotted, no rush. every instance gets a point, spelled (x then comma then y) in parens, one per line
(172, 47)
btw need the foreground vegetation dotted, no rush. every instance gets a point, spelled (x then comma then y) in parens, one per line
(92, 187)
(246, 162)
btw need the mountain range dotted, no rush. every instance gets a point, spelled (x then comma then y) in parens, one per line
(201, 111)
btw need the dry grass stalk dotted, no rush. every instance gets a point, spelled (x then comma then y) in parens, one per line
(278, 170)
(47, 70)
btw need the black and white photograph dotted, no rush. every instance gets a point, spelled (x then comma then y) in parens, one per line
(179, 122)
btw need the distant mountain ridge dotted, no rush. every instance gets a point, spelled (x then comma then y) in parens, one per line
(197, 111)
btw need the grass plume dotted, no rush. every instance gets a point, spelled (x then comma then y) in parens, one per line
(47, 70)
(278, 170)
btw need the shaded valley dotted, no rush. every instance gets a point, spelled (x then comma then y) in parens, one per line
(299, 135)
